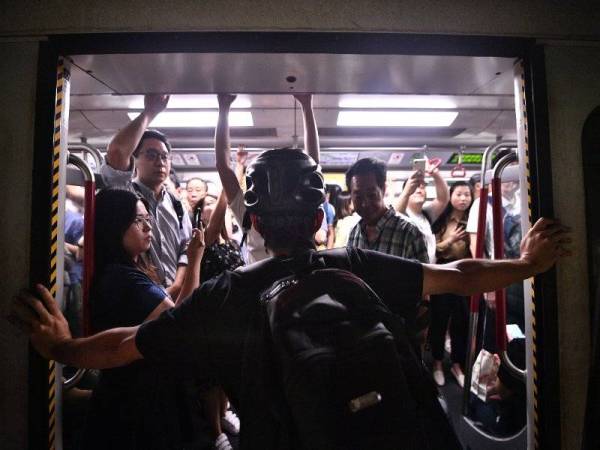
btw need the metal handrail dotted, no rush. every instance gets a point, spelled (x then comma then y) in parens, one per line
(499, 254)
(87, 148)
(474, 301)
(88, 255)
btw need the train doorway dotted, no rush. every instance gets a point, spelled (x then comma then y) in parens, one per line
(490, 83)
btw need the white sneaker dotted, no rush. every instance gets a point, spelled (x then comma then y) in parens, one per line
(438, 377)
(222, 443)
(460, 378)
(230, 422)
(447, 345)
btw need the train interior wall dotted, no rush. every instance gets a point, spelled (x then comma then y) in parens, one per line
(17, 97)
(573, 93)
(573, 90)
(575, 19)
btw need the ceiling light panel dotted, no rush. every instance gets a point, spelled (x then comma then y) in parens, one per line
(397, 101)
(396, 118)
(197, 119)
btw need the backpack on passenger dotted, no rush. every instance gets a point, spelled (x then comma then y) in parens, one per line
(350, 376)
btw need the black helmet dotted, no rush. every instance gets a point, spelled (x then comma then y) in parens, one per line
(284, 181)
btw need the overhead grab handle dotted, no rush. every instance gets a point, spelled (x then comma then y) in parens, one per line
(458, 171)
(498, 227)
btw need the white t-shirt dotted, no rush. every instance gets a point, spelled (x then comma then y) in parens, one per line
(424, 227)
(255, 243)
(511, 207)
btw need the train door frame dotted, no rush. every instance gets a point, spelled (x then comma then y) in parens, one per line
(547, 427)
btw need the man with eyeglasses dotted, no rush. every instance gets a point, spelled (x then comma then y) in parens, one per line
(149, 152)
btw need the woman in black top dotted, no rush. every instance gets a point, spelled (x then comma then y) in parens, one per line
(222, 253)
(452, 244)
(139, 406)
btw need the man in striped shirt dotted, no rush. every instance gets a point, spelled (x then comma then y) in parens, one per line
(380, 227)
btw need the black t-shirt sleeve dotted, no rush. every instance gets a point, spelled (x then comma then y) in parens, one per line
(182, 334)
(398, 281)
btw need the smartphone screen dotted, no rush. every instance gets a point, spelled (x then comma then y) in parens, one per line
(419, 164)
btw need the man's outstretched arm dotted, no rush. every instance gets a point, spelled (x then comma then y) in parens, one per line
(541, 247)
(122, 146)
(50, 336)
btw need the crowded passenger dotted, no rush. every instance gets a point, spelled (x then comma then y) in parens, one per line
(331, 193)
(254, 242)
(221, 254)
(196, 189)
(412, 203)
(380, 227)
(141, 405)
(220, 330)
(475, 182)
(346, 218)
(452, 244)
(149, 152)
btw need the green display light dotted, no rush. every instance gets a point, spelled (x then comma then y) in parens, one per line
(467, 158)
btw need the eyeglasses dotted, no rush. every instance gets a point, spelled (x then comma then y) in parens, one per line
(154, 155)
(141, 221)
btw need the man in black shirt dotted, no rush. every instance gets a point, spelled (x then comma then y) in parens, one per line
(217, 333)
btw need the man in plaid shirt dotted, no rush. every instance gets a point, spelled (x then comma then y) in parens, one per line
(380, 228)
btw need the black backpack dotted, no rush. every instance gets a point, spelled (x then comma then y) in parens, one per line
(349, 374)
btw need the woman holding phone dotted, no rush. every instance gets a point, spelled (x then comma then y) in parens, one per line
(452, 243)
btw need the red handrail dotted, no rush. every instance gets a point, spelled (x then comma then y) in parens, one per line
(500, 301)
(88, 255)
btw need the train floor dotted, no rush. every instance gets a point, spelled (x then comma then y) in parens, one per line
(452, 396)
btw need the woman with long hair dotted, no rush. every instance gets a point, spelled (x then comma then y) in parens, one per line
(138, 406)
(345, 218)
(452, 243)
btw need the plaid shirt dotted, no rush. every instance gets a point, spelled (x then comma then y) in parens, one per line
(396, 237)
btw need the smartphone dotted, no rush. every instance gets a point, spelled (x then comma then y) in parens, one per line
(419, 164)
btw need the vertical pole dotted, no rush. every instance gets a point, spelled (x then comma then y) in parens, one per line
(532, 383)
(56, 269)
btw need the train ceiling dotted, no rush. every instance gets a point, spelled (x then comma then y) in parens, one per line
(105, 88)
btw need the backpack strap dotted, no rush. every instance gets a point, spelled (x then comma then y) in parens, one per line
(178, 207)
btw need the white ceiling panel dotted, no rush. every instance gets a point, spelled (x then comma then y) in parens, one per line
(105, 87)
(269, 73)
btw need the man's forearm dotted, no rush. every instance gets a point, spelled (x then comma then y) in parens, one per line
(122, 146)
(227, 175)
(110, 348)
(483, 275)
(311, 133)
